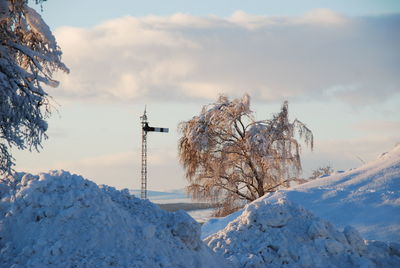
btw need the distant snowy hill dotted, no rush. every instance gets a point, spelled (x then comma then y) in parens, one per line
(174, 196)
(367, 198)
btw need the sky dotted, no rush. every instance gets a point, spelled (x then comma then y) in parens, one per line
(336, 62)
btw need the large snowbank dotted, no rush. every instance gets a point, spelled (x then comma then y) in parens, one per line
(58, 219)
(281, 234)
(367, 198)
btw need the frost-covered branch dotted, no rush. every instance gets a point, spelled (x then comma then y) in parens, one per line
(29, 56)
(226, 152)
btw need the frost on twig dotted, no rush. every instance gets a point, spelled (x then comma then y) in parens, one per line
(29, 56)
(229, 156)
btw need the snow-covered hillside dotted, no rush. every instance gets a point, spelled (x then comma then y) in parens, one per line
(366, 198)
(58, 219)
(278, 233)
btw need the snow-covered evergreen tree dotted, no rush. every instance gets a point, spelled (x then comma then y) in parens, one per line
(226, 153)
(28, 57)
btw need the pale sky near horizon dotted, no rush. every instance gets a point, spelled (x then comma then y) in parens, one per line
(337, 63)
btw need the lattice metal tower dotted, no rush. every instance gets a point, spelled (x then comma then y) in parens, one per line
(143, 192)
(145, 129)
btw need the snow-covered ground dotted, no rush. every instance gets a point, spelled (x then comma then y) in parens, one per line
(292, 228)
(367, 198)
(58, 219)
(201, 215)
(176, 197)
(278, 233)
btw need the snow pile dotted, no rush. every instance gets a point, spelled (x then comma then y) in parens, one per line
(281, 234)
(58, 219)
(213, 225)
(367, 198)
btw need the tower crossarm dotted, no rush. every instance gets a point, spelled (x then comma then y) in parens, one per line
(145, 129)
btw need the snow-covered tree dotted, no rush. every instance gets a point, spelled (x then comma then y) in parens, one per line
(28, 57)
(231, 158)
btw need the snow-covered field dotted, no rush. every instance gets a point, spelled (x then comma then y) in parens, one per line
(180, 198)
(201, 215)
(301, 227)
(367, 198)
(158, 197)
(58, 219)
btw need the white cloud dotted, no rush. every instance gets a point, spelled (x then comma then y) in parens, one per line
(314, 17)
(272, 58)
(322, 16)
